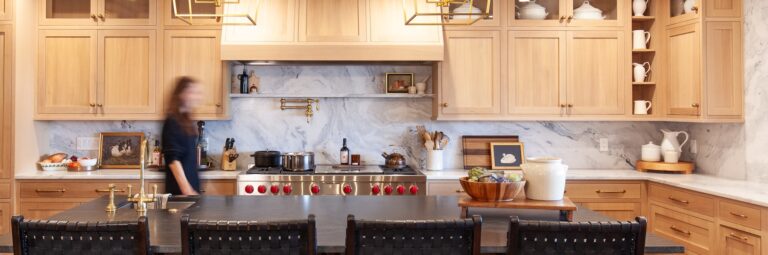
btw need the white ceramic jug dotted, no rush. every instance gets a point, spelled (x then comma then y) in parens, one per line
(545, 178)
(640, 39)
(642, 107)
(688, 6)
(670, 142)
(641, 71)
(639, 7)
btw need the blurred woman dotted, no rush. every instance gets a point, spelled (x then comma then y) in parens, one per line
(179, 139)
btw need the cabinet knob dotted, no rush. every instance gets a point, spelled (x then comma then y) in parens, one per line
(93, 17)
(444, 105)
(695, 105)
(562, 18)
(101, 16)
(92, 105)
(562, 105)
(218, 105)
(570, 18)
(695, 9)
(99, 105)
(570, 105)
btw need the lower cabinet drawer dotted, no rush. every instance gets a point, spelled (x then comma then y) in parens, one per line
(618, 211)
(683, 199)
(218, 187)
(445, 188)
(740, 213)
(44, 210)
(78, 189)
(602, 190)
(733, 241)
(695, 233)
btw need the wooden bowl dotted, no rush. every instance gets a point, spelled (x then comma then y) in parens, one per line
(492, 192)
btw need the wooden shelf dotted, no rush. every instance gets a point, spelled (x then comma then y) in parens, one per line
(392, 96)
(643, 50)
(643, 83)
(643, 18)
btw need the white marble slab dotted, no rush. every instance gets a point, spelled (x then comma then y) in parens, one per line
(117, 174)
(745, 191)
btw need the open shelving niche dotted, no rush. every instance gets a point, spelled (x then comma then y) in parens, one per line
(649, 89)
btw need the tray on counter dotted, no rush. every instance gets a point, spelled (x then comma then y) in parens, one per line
(565, 206)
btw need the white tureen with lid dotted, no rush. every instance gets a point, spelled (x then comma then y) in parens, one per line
(532, 10)
(588, 12)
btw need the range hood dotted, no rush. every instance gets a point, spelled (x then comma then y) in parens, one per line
(293, 30)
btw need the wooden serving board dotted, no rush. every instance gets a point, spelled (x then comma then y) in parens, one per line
(477, 149)
(680, 167)
(565, 206)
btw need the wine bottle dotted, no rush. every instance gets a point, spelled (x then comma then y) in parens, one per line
(344, 154)
(202, 146)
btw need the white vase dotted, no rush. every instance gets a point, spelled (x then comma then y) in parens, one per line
(639, 7)
(545, 178)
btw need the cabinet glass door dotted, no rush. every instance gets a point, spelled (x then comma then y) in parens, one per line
(122, 12)
(187, 7)
(537, 13)
(68, 12)
(478, 6)
(683, 10)
(597, 12)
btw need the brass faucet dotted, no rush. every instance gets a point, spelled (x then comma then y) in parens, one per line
(142, 199)
(307, 109)
(111, 206)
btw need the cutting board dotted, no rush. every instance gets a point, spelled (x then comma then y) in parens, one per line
(477, 149)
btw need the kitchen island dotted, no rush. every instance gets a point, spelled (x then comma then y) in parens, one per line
(331, 215)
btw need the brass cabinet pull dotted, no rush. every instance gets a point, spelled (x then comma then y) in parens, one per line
(676, 229)
(562, 18)
(107, 190)
(679, 200)
(739, 215)
(695, 9)
(101, 16)
(570, 105)
(611, 191)
(62, 190)
(738, 237)
(460, 191)
(570, 18)
(444, 105)
(695, 105)
(93, 17)
(218, 105)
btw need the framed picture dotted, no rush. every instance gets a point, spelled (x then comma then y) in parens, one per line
(507, 156)
(399, 82)
(120, 150)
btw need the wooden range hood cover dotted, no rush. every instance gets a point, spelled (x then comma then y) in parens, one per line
(294, 30)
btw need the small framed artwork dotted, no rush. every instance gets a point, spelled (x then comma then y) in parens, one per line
(120, 150)
(399, 82)
(507, 156)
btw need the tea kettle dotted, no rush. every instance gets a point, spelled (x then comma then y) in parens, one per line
(670, 142)
(394, 160)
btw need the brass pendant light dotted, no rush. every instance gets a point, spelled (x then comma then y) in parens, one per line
(228, 12)
(445, 12)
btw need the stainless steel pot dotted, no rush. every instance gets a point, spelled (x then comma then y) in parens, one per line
(267, 159)
(299, 161)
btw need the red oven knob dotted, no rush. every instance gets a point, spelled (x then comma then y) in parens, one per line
(375, 190)
(400, 189)
(388, 189)
(249, 189)
(414, 189)
(347, 189)
(314, 189)
(274, 189)
(262, 189)
(287, 189)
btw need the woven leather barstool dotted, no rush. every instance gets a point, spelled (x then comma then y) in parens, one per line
(80, 238)
(296, 237)
(413, 237)
(556, 237)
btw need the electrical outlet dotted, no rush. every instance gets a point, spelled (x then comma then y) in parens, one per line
(87, 143)
(694, 147)
(604, 144)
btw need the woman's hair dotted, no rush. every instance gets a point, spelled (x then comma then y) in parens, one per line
(176, 102)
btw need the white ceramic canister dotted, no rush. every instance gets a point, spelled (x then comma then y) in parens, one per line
(434, 160)
(650, 152)
(545, 178)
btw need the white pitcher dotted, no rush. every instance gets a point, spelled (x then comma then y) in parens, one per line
(639, 7)
(641, 71)
(640, 39)
(545, 178)
(670, 142)
(688, 6)
(642, 107)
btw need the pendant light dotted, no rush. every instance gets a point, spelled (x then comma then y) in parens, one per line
(445, 12)
(228, 12)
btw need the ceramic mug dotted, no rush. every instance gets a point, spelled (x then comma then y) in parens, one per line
(642, 107)
(640, 39)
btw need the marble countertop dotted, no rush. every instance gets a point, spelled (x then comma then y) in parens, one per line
(749, 192)
(117, 174)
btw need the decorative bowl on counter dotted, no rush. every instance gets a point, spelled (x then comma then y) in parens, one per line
(490, 191)
(54, 166)
(88, 162)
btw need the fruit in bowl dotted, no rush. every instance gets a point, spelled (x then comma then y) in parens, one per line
(492, 186)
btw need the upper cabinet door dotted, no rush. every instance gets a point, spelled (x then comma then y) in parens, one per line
(495, 20)
(6, 9)
(536, 62)
(614, 13)
(122, 12)
(596, 66)
(527, 14)
(471, 74)
(724, 69)
(723, 8)
(196, 53)
(6, 101)
(183, 8)
(127, 71)
(276, 22)
(68, 12)
(684, 59)
(67, 71)
(333, 21)
(388, 24)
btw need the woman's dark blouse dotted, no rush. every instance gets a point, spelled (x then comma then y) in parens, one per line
(178, 145)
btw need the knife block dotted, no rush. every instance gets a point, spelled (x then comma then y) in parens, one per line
(225, 164)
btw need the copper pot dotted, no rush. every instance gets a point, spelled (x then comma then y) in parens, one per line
(394, 160)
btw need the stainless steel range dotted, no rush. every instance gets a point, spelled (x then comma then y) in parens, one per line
(331, 180)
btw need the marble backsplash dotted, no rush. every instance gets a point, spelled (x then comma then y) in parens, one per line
(372, 125)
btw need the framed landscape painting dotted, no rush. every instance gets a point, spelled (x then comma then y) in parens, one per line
(120, 150)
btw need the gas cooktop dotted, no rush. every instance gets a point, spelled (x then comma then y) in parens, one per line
(337, 170)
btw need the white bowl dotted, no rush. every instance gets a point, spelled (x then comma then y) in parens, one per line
(54, 166)
(88, 162)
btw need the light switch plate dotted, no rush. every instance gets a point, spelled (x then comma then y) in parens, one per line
(87, 143)
(603, 144)
(694, 147)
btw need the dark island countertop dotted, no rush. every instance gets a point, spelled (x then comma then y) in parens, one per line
(331, 214)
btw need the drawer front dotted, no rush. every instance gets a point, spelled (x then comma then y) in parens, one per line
(618, 211)
(695, 233)
(5, 190)
(81, 189)
(222, 188)
(603, 190)
(444, 188)
(733, 241)
(687, 200)
(739, 213)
